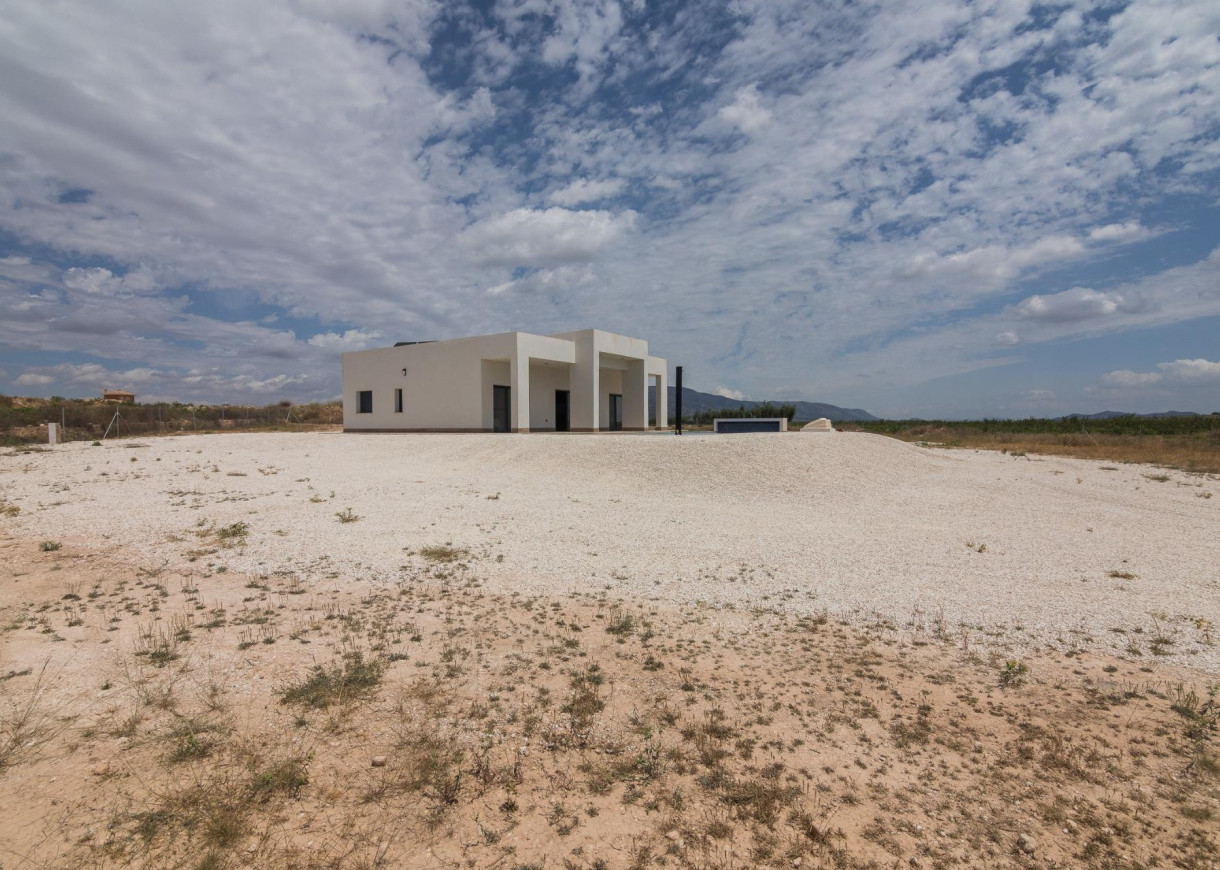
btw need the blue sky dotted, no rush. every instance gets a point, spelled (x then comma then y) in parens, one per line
(923, 208)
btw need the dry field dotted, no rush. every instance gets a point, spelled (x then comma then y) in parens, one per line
(328, 651)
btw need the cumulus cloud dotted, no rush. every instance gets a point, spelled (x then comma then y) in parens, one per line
(1181, 371)
(100, 282)
(33, 379)
(1124, 232)
(1078, 303)
(735, 395)
(746, 112)
(911, 169)
(583, 190)
(352, 339)
(546, 237)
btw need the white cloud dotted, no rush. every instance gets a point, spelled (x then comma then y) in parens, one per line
(895, 187)
(1127, 378)
(746, 112)
(736, 395)
(562, 279)
(583, 190)
(1124, 232)
(352, 339)
(1078, 303)
(548, 237)
(32, 379)
(1191, 370)
(1178, 371)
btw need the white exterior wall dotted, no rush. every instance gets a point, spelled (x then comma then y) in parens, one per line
(545, 379)
(448, 384)
(611, 382)
(443, 387)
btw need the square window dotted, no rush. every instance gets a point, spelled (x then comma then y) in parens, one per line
(364, 402)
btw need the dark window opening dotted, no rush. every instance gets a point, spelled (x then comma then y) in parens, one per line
(364, 402)
(398, 401)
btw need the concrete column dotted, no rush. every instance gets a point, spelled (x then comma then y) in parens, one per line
(519, 374)
(663, 400)
(635, 395)
(585, 386)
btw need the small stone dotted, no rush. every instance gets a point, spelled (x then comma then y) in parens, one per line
(796, 862)
(914, 861)
(379, 761)
(673, 835)
(1027, 844)
(101, 768)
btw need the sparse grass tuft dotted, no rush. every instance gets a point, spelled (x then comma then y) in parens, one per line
(347, 515)
(233, 535)
(349, 679)
(443, 553)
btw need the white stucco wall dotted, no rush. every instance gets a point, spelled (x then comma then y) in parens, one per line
(443, 387)
(545, 379)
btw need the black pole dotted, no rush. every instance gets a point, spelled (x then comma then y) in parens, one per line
(678, 401)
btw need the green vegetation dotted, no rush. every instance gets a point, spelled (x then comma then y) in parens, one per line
(766, 409)
(353, 677)
(1125, 425)
(22, 420)
(1188, 443)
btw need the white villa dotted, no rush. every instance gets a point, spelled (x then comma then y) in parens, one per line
(585, 381)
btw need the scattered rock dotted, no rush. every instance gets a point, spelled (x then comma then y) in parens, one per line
(379, 761)
(673, 835)
(101, 768)
(1027, 844)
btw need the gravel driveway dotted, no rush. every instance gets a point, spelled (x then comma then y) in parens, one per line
(1054, 550)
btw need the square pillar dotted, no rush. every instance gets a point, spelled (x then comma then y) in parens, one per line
(519, 380)
(585, 386)
(635, 395)
(662, 400)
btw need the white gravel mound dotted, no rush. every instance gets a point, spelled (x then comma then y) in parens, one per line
(821, 424)
(1025, 546)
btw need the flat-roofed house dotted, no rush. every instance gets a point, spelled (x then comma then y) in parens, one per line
(585, 381)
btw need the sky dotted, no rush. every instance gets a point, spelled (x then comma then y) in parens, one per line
(918, 208)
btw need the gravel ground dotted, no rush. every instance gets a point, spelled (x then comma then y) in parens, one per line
(1011, 547)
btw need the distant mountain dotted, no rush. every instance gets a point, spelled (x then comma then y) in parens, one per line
(694, 402)
(1106, 415)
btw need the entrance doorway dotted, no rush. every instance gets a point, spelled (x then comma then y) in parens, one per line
(501, 408)
(616, 412)
(563, 411)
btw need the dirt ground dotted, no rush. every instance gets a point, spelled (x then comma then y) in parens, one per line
(204, 720)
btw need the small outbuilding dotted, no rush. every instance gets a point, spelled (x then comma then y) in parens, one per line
(120, 396)
(584, 381)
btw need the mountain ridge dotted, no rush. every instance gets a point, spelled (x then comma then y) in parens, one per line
(694, 402)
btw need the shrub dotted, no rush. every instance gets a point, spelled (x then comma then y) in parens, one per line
(1013, 673)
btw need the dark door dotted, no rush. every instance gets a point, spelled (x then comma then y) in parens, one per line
(563, 414)
(616, 412)
(501, 408)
